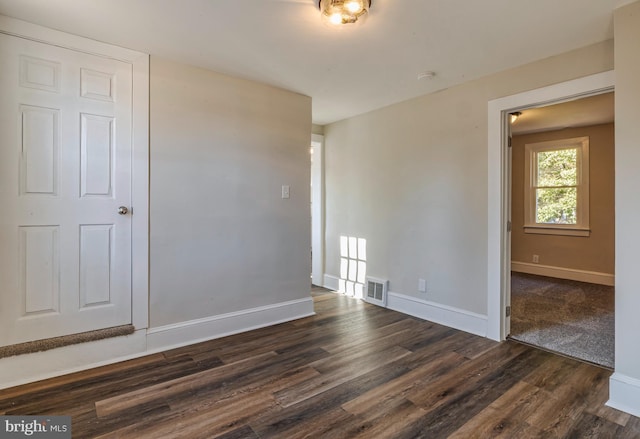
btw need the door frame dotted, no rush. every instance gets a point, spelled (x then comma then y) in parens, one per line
(499, 167)
(317, 210)
(140, 146)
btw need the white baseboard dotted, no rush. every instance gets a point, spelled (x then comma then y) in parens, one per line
(195, 331)
(593, 277)
(624, 394)
(331, 282)
(432, 311)
(438, 313)
(22, 369)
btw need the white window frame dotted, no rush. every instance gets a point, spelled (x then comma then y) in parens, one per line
(582, 185)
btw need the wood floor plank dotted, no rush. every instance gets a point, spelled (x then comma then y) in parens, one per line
(336, 371)
(490, 423)
(104, 386)
(459, 405)
(325, 425)
(369, 337)
(576, 394)
(215, 412)
(74, 378)
(505, 416)
(589, 426)
(582, 382)
(126, 401)
(465, 376)
(567, 402)
(206, 422)
(633, 424)
(278, 422)
(352, 370)
(552, 373)
(476, 346)
(260, 389)
(384, 420)
(345, 328)
(397, 389)
(87, 425)
(631, 430)
(431, 334)
(596, 406)
(431, 352)
(247, 371)
(244, 432)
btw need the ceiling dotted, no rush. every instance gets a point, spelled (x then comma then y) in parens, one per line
(593, 110)
(345, 71)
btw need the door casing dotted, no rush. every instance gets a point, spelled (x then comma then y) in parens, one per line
(317, 212)
(498, 200)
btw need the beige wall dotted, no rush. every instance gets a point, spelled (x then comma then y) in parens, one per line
(221, 237)
(592, 253)
(411, 179)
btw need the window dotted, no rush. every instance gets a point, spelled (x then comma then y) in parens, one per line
(556, 199)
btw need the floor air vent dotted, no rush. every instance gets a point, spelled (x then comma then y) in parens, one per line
(376, 291)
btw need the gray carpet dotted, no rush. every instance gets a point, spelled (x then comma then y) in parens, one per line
(66, 340)
(572, 318)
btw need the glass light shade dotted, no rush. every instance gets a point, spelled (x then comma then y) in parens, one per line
(353, 6)
(337, 12)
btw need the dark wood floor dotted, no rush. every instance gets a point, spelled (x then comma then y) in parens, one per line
(353, 370)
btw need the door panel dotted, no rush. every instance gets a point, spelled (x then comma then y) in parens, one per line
(65, 168)
(39, 274)
(39, 170)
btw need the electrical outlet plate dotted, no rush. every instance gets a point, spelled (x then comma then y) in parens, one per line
(422, 285)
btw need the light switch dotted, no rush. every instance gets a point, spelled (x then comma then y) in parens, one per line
(285, 191)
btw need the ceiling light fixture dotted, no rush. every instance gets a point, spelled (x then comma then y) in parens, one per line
(337, 12)
(427, 75)
(515, 116)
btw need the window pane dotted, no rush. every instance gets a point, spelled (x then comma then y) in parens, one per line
(557, 168)
(556, 206)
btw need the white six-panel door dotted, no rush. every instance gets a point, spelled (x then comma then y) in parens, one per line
(65, 170)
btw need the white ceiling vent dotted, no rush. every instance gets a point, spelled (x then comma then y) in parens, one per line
(376, 291)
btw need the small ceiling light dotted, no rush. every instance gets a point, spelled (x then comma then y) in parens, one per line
(427, 75)
(338, 12)
(515, 116)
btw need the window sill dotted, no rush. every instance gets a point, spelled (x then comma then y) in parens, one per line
(565, 231)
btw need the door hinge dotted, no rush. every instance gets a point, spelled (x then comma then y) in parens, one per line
(508, 226)
(508, 311)
(509, 142)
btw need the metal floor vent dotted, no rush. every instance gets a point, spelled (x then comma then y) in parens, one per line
(376, 291)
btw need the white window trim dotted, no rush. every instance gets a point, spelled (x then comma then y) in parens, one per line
(582, 227)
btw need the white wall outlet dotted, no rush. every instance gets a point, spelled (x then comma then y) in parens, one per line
(422, 285)
(285, 191)
(536, 259)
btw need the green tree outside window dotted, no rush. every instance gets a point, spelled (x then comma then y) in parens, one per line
(556, 189)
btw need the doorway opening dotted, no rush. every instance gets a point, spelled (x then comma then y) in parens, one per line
(499, 186)
(562, 228)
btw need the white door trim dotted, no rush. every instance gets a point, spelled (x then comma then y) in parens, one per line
(140, 143)
(497, 251)
(317, 210)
